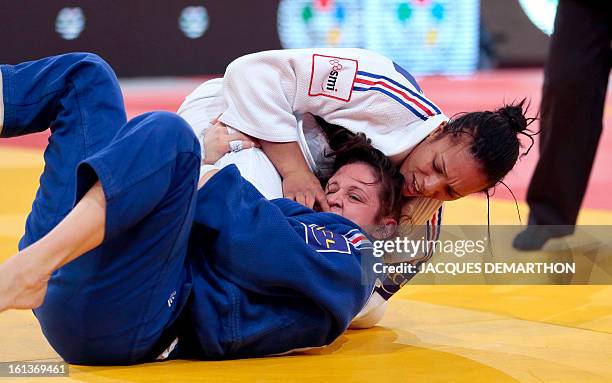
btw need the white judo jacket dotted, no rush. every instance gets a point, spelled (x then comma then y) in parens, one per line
(273, 95)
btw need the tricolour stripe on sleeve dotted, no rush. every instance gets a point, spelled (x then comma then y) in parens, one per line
(359, 241)
(396, 98)
(389, 83)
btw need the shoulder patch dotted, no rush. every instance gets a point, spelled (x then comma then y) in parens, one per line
(332, 77)
(325, 241)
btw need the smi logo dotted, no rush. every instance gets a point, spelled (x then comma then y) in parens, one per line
(70, 22)
(336, 67)
(332, 77)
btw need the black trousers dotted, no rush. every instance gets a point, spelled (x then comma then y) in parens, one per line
(573, 97)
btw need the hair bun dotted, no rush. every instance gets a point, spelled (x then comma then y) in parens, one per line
(515, 116)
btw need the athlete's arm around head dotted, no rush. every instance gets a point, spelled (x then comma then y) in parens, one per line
(299, 183)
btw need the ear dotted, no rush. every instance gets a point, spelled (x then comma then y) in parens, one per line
(386, 228)
(436, 133)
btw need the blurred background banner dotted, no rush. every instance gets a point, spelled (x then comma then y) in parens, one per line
(140, 37)
(193, 37)
(438, 36)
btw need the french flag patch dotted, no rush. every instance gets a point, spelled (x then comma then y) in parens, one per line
(358, 240)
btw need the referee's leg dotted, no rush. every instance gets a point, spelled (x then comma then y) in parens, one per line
(574, 91)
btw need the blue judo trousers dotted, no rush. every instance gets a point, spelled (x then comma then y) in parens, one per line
(209, 274)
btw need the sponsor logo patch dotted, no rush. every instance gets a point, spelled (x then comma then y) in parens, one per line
(332, 77)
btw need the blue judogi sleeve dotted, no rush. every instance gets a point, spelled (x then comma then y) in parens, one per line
(283, 253)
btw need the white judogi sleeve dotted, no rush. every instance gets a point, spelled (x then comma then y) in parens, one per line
(267, 92)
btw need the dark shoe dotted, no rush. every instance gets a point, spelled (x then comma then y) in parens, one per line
(535, 237)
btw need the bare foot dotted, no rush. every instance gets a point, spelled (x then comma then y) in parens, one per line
(22, 286)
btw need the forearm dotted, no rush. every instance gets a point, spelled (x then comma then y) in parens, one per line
(286, 156)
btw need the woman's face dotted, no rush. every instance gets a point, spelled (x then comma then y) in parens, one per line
(442, 168)
(354, 193)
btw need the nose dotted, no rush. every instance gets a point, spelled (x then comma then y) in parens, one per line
(334, 200)
(433, 184)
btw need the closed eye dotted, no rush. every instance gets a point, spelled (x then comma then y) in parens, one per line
(437, 168)
(450, 191)
(355, 198)
(358, 195)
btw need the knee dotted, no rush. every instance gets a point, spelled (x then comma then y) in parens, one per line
(172, 129)
(91, 59)
(88, 57)
(94, 67)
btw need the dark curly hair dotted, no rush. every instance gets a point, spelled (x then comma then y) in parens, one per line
(495, 142)
(349, 148)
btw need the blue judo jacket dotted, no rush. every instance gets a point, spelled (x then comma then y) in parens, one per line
(270, 276)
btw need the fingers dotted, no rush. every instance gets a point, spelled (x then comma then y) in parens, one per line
(322, 201)
(304, 188)
(216, 119)
(218, 138)
(238, 145)
(301, 198)
(237, 136)
(237, 141)
(309, 200)
(249, 145)
(242, 137)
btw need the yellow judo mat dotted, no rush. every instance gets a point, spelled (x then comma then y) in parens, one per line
(429, 333)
